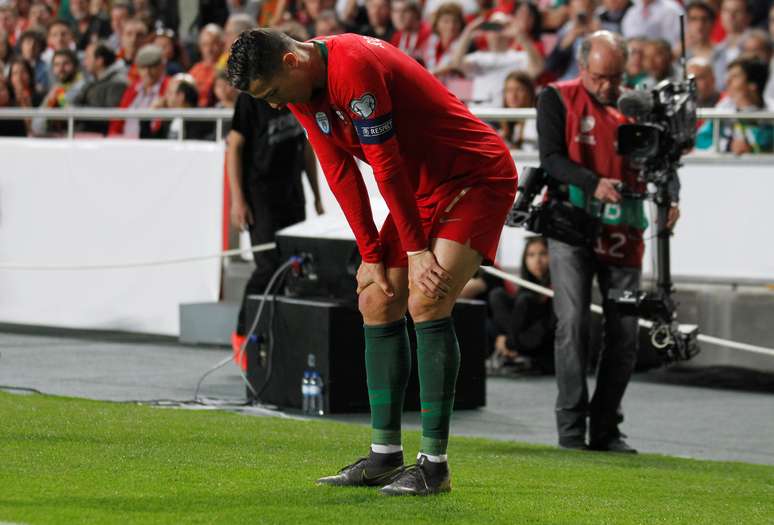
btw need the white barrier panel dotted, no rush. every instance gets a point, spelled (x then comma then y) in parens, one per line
(725, 230)
(89, 202)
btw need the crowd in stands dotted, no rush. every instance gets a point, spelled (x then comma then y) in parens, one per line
(492, 53)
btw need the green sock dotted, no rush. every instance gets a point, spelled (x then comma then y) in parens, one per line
(438, 357)
(388, 365)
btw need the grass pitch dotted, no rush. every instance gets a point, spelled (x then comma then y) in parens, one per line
(74, 461)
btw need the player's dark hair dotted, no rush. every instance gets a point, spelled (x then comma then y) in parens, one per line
(256, 54)
(755, 69)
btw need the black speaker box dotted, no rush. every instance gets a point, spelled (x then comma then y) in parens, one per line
(327, 336)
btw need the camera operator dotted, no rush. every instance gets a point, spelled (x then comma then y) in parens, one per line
(577, 127)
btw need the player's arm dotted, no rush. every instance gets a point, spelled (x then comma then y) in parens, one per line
(347, 185)
(365, 95)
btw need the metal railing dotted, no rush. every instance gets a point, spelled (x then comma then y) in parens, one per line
(71, 115)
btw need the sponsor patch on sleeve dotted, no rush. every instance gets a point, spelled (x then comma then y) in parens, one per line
(375, 131)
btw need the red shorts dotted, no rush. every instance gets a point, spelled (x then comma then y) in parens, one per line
(471, 214)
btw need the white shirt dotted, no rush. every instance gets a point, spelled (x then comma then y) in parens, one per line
(660, 19)
(469, 7)
(488, 70)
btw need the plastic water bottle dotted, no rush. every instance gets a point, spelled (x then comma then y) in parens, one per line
(316, 394)
(306, 388)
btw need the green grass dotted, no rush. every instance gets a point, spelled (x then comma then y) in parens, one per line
(71, 461)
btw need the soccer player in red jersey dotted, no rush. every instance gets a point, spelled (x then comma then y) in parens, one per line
(448, 181)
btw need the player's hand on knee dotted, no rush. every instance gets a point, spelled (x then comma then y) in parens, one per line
(370, 273)
(428, 276)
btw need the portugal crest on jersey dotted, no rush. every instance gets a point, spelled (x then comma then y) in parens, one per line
(323, 122)
(364, 106)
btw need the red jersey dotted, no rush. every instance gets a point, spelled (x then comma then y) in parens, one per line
(421, 141)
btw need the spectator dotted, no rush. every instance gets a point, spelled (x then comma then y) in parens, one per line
(489, 68)
(525, 324)
(528, 21)
(635, 62)
(311, 12)
(519, 92)
(39, 17)
(21, 83)
(185, 96)
(771, 21)
(706, 88)
(272, 12)
(31, 46)
(328, 24)
(6, 52)
(119, 14)
(556, 14)
(88, 28)
(8, 23)
(9, 128)
(658, 61)
(133, 38)
(165, 39)
(611, 13)
(758, 43)
(745, 83)
(379, 21)
(68, 84)
(248, 8)
(210, 47)
(106, 87)
(235, 25)
(59, 37)
(447, 24)
(470, 8)
(653, 19)
(142, 94)
(411, 32)
(563, 62)
(735, 18)
(700, 19)
(225, 93)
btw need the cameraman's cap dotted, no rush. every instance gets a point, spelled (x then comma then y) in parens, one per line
(148, 56)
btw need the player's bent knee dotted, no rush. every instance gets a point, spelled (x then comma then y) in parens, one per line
(423, 308)
(376, 307)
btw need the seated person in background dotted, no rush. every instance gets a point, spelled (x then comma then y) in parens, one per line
(635, 73)
(758, 43)
(106, 87)
(210, 47)
(707, 94)
(411, 32)
(562, 63)
(68, 84)
(525, 324)
(379, 22)
(9, 128)
(447, 24)
(328, 24)
(745, 82)
(489, 68)
(143, 94)
(185, 96)
(658, 62)
(31, 45)
(519, 92)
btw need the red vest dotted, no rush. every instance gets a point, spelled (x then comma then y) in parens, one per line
(591, 131)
